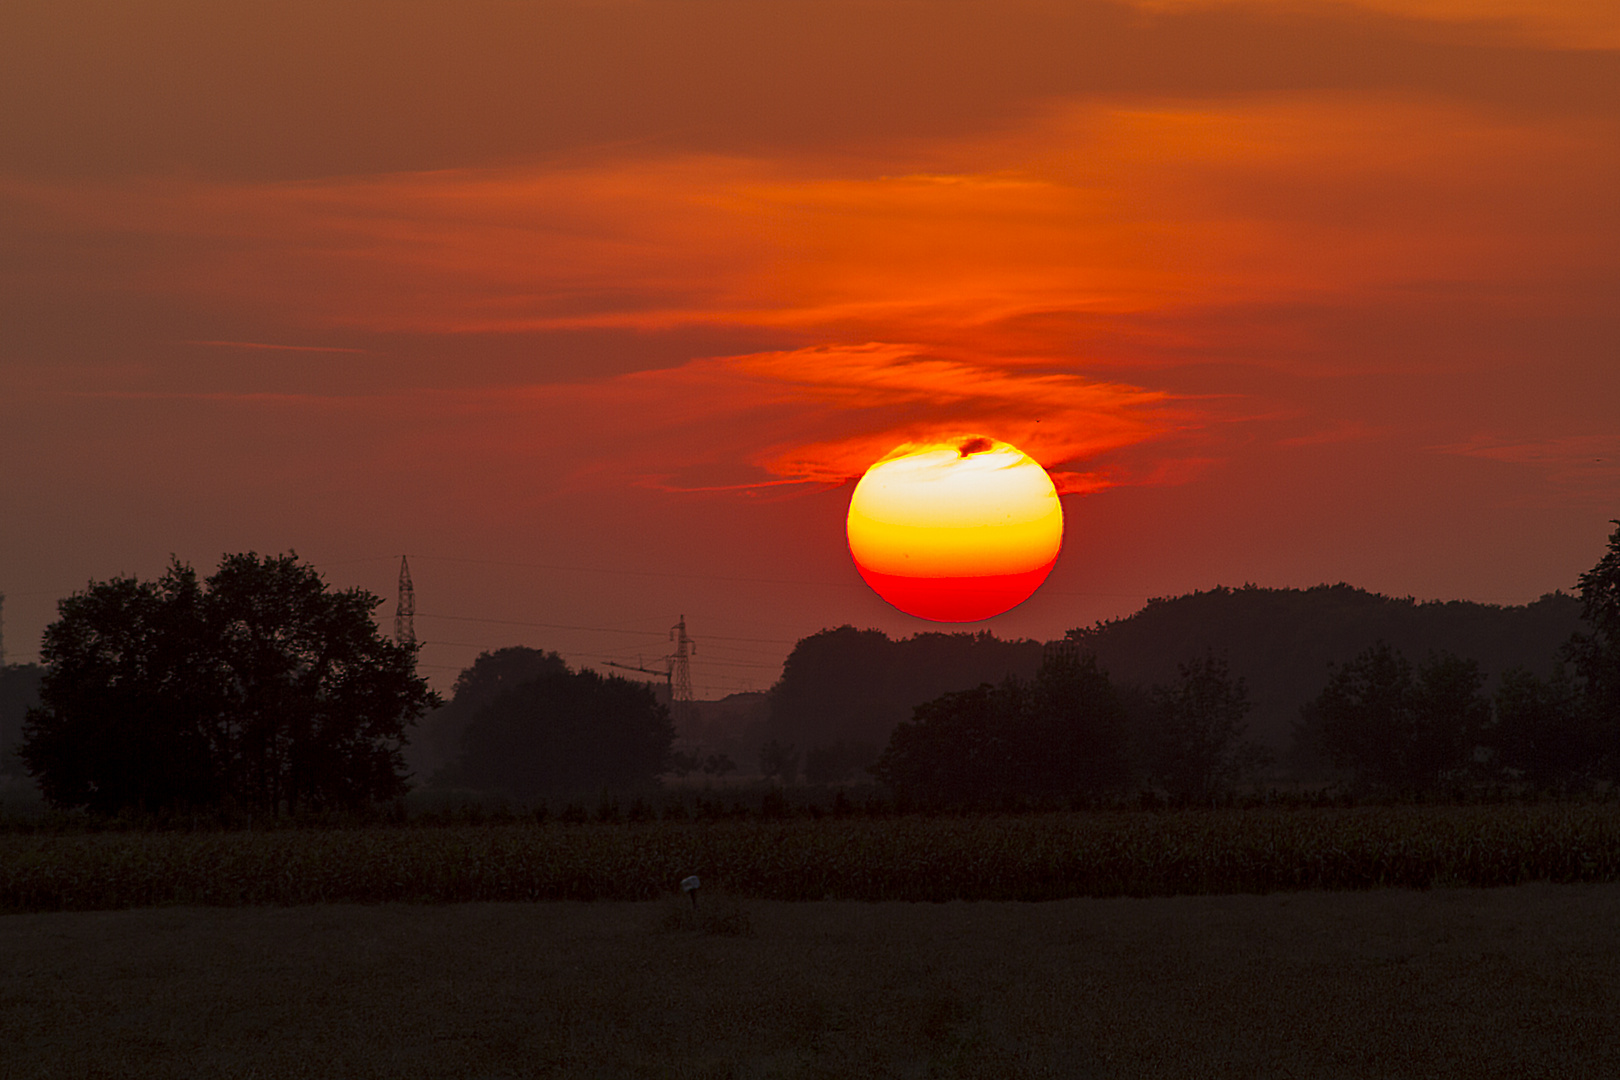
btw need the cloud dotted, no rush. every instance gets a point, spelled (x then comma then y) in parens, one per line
(1051, 283)
(1007, 244)
(853, 405)
(308, 89)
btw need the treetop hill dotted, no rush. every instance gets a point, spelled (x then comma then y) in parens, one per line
(262, 688)
(855, 686)
(1282, 641)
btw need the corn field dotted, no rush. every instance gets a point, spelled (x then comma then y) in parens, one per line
(1035, 857)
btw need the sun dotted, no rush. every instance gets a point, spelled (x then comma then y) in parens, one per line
(955, 531)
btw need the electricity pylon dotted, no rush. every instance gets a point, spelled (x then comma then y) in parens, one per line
(405, 607)
(680, 676)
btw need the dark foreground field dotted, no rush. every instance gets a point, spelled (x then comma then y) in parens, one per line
(1512, 982)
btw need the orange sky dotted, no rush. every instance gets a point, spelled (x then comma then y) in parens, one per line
(597, 309)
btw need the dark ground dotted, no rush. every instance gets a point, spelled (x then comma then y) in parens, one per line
(1518, 982)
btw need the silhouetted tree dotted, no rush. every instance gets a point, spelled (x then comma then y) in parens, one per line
(854, 686)
(1076, 732)
(19, 692)
(438, 742)
(131, 705)
(958, 749)
(267, 688)
(568, 733)
(1541, 733)
(1195, 747)
(1056, 736)
(1398, 731)
(1595, 655)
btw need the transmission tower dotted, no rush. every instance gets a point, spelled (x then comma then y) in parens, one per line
(405, 607)
(680, 674)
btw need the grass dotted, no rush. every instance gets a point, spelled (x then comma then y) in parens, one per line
(1455, 983)
(1030, 857)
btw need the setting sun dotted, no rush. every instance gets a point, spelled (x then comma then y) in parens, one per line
(955, 531)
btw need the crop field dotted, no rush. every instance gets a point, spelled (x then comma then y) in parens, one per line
(1448, 984)
(1030, 857)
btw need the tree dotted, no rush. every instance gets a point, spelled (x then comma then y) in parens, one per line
(1076, 738)
(1595, 655)
(266, 688)
(438, 743)
(854, 686)
(19, 692)
(957, 749)
(1541, 734)
(1400, 732)
(131, 702)
(1195, 748)
(568, 733)
(1057, 736)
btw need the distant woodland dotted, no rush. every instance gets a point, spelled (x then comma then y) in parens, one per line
(855, 686)
(1190, 699)
(844, 692)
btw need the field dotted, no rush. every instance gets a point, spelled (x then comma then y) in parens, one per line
(468, 951)
(1515, 982)
(1029, 857)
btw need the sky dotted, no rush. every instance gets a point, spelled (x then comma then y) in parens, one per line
(597, 311)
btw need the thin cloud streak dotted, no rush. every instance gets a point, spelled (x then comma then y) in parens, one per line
(1261, 201)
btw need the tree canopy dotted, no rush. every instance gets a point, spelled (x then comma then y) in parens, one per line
(1403, 730)
(567, 733)
(1595, 655)
(1193, 745)
(1058, 736)
(265, 688)
(19, 692)
(438, 742)
(851, 687)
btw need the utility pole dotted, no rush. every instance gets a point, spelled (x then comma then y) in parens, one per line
(405, 607)
(680, 676)
(2, 631)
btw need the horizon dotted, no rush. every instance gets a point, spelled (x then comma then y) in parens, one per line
(710, 690)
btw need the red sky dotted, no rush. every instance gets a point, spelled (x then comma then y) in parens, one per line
(597, 309)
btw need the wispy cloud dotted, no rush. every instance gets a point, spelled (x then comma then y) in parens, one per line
(836, 410)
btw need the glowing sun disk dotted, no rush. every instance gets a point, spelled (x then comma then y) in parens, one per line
(955, 531)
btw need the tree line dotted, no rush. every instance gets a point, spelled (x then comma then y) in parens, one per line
(263, 688)
(1383, 722)
(1068, 734)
